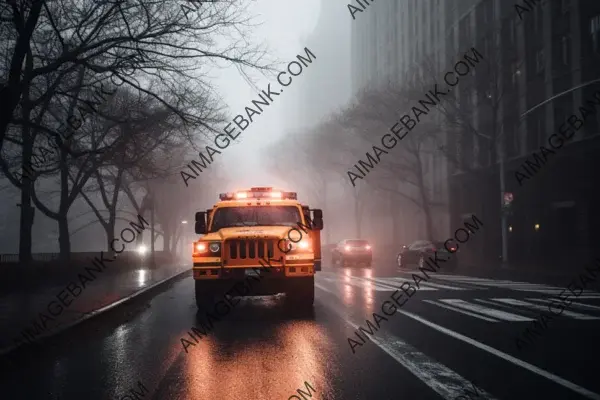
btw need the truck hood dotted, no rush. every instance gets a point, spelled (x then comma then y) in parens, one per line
(251, 232)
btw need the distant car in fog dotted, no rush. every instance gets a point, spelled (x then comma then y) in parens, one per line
(418, 252)
(352, 252)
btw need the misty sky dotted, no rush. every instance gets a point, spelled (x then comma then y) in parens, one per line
(285, 29)
(285, 26)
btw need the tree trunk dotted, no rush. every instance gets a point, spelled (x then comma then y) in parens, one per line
(110, 236)
(167, 237)
(424, 201)
(64, 241)
(27, 211)
(396, 221)
(26, 223)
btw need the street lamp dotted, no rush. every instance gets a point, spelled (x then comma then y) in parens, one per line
(141, 250)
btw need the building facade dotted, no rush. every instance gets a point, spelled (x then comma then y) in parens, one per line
(539, 55)
(329, 85)
(391, 41)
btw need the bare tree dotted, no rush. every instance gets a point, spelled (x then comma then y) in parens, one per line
(59, 49)
(403, 172)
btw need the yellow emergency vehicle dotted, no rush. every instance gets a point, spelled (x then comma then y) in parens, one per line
(255, 242)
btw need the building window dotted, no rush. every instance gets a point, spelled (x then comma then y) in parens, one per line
(539, 61)
(595, 32)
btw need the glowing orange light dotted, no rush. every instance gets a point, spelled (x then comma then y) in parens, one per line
(201, 247)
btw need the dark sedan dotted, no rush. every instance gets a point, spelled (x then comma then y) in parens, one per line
(352, 251)
(420, 251)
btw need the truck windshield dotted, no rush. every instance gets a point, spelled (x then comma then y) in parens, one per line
(255, 216)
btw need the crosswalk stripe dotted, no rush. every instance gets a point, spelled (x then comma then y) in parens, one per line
(514, 285)
(507, 357)
(392, 286)
(538, 307)
(505, 307)
(573, 304)
(448, 307)
(491, 312)
(441, 379)
(396, 283)
(439, 285)
(359, 284)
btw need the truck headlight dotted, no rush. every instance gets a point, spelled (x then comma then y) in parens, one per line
(304, 244)
(212, 249)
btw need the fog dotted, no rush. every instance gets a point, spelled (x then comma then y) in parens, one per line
(305, 141)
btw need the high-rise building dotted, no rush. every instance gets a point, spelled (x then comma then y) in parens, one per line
(543, 57)
(391, 40)
(329, 85)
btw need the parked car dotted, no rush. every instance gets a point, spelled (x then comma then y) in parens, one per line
(420, 251)
(352, 252)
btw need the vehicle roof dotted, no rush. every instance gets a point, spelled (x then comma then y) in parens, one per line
(254, 201)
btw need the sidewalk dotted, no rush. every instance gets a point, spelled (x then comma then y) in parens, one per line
(19, 310)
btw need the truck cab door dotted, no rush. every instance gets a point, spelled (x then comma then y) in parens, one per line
(316, 221)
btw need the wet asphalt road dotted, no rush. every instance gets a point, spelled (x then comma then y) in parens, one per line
(453, 333)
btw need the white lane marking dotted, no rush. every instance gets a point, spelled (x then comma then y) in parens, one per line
(441, 379)
(389, 284)
(538, 307)
(439, 285)
(435, 303)
(391, 281)
(573, 304)
(359, 284)
(430, 283)
(491, 312)
(548, 375)
(490, 303)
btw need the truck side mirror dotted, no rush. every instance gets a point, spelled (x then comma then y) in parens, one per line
(317, 219)
(200, 226)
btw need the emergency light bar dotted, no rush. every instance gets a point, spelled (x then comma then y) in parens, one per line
(259, 192)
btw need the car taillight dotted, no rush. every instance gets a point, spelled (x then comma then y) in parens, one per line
(347, 248)
(367, 247)
(452, 248)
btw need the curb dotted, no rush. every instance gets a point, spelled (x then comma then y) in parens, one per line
(91, 314)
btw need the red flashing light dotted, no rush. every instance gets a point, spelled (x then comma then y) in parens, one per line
(258, 193)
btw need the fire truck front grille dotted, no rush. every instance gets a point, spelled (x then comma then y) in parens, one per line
(251, 249)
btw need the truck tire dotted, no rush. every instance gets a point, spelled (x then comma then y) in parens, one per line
(301, 292)
(205, 294)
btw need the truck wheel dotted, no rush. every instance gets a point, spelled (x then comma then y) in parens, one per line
(301, 292)
(205, 294)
